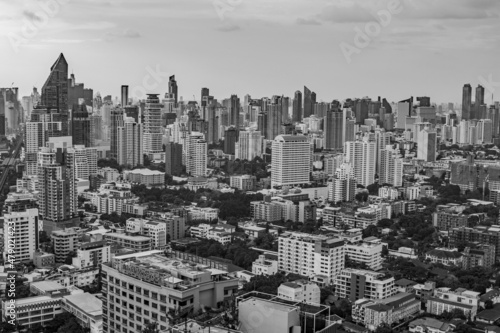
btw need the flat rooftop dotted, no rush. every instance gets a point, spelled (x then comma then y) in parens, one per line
(87, 303)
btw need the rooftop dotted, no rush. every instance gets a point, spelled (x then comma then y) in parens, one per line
(86, 302)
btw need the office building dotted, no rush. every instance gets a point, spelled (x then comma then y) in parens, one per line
(55, 89)
(116, 121)
(173, 89)
(297, 107)
(300, 291)
(319, 257)
(20, 236)
(404, 108)
(427, 145)
(65, 241)
(230, 138)
(334, 127)
(130, 141)
(291, 156)
(467, 102)
(124, 96)
(243, 182)
(80, 122)
(173, 159)
(484, 131)
(309, 101)
(92, 254)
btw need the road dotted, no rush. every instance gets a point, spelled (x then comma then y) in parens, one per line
(8, 162)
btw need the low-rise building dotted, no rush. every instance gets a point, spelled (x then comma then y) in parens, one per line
(482, 255)
(244, 182)
(253, 231)
(145, 176)
(300, 291)
(430, 325)
(134, 243)
(43, 259)
(265, 265)
(87, 309)
(355, 284)
(445, 299)
(365, 253)
(207, 213)
(445, 256)
(92, 255)
(391, 310)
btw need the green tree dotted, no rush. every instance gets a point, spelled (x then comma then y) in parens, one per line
(151, 328)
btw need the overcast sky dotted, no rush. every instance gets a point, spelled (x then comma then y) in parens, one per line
(259, 47)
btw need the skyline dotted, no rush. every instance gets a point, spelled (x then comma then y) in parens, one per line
(117, 43)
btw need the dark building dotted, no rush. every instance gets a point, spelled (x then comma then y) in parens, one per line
(81, 126)
(334, 127)
(173, 89)
(132, 111)
(95, 181)
(230, 138)
(308, 103)
(361, 110)
(479, 103)
(88, 96)
(116, 121)
(297, 107)
(124, 96)
(262, 124)
(424, 101)
(55, 89)
(173, 159)
(204, 96)
(213, 122)
(466, 101)
(234, 112)
(274, 117)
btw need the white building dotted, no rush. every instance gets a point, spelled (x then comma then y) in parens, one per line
(243, 182)
(20, 235)
(152, 131)
(427, 145)
(391, 167)
(87, 309)
(317, 256)
(130, 143)
(196, 154)
(265, 265)
(445, 299)
(342, 187)
(157, 231)
(369, 254)
(85, 161)
(291, 156)
(362, 155)
(65, 241)
(300, 291)
(249, 145)
(92, 255)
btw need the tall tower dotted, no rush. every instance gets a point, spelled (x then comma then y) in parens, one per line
(81, 126)
(173, 159)
(55, 89)
(204, 96)
(342, 187)
(196, 159)
(116, 122)
(234, 112)
(427, 145)
(130, 142)
(291, 156)
(249, 145)
(173, 89)
(152, 131)
(479, 102)
(124, 96)
(297, 107)
(308, 103)
(362, 155)
(230, 138)
(391, 167)
(466, 101)
(274, 117)
(334, 127)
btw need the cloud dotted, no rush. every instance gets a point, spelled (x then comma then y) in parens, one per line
(307, 21)
(127, 33)
(31, 16)
(229, 28)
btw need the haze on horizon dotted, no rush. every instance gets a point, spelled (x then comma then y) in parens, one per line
(257, 47)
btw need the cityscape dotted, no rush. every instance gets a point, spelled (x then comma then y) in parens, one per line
(142, 208)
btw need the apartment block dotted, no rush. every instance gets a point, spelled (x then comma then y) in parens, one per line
(445, 299)
(135, 243)
(20, 235)
(369, 254)
(65, 241)
(357, 283)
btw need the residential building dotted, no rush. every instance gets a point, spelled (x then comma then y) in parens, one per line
(391, 167)
(152, 130)
(20, 233)
(369, 254)
(342, 186)
(265, 265)
(87, 310)
(482, 255)
(196, 154)
(249, 145)
(445, 299)
(319, 257)
(243, 182)
(362, 156)
(145, 176)
(130, 143)
(445, 256)
(300, 291)
(430, 325)
(92, 254)
(135, 243)
(65, 241)
(357, 283)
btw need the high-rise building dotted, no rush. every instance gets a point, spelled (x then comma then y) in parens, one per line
(80, 122)
(205, 93)
(213, 122)
(20, 236)
(391, 167)
(152, 131)
(196, 159)
(485, 131)
(308, 103)
(233, 108)
(274, 117)
(466, 102)
(116, 122)
(427, 145)
(291, 156)
(362, 107)
(249, 145)
(362, 155)
(297, 107)
(124, 96)
(230, 138)
(173, 89)
(404, 108)
(382, 139)
(342, 186)
(83, 161)
(356, 284)
(334, 129)
(319, 257)
(130, 150)
(173, 159)
(55, 89)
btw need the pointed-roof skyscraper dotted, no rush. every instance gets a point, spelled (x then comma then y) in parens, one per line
(55, 89)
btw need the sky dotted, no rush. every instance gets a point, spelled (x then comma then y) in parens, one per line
(338, 48)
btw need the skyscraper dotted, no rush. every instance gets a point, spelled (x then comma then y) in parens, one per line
(382, 139)
(485, 131)
(362, 110)
(173, 89)
(196, 159)
(404, 108)
(391, 167)
(130, 142)
(249, 145)
(362, 156)
(427, 145)
(117, 119)
(466, 101)
(173, 159)
(274, 117)
(297, 107)
(291, 156)
(308, 103)
(124, 96)
(479, 102)
(55, 89)
(152, 131)
(334, 129)
(204, 96)
(230, 138)
(81, 126)
(342, 186)
(234, 112)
